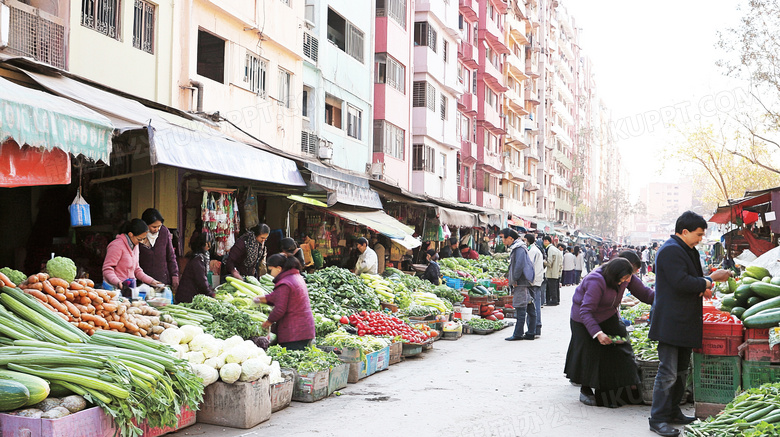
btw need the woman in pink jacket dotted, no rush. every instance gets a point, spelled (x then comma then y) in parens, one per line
(121, 261)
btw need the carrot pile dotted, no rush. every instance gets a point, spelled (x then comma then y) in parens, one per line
(91, 309)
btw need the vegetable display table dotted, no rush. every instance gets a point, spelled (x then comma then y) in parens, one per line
(238, 405)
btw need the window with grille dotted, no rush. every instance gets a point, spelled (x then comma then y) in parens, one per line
(389, 71)
(101, 16)
(255, 70)
(285, 79)
(425, 35)
(143, 26)
(310, 46)
(389, 139)
(395, 9)
(345, 35)
(354, 122)
(444, 48)
(474, 82)
(443, 107)
(355, 42)
(424, 95)
(423, 158)
(309, 143)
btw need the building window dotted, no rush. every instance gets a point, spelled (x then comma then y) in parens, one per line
(333, 111)
(306, 106)
(390, 71)
(395, 9)
(285, 79)
(354, 122)
(443, 107)
(255, 73)
(211, 56)
(389, 139)
(310, 46)
(444, 47)
(443, 168)
(425, 35)
(101, 16)
(490, 97)
(474, 82)
(345, 35)
(143, 26)
(475, 34)
(423, 158)
(465, 131)
(424, 95)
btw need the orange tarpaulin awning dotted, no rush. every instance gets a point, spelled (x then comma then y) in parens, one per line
(29, 166)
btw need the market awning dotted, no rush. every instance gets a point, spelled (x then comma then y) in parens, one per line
(733, 210)
(453, 217)
(344, 188)
(39, 119)
(177, 141)
(380, 222)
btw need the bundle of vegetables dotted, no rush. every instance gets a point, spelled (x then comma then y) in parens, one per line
(306, 361)
(754, 413)
(493, 267)
(383, 324)
(131, 378)
(447, 293)
(9, 276)
(228, 320)
(388, 291)
(461, 268)
(212, 359)
(240, 293)
(324, 325)
(485, 324)
(181, 315)
(347, 291)
(755, 299)
(644, 348)
(420, 311)
(431, 300)
(408, 282)
(366, 343)
(638, 311)
(51, 407)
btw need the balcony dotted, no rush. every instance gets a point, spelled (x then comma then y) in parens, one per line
(563, 113)
(531, 185)
(565, 71)
(562, 204)
(468, 152)
(35, 34)
(464, 194)
(500, 5)
(533, 17)
(531, 96)
(490, 119)
(531, 154)
(515, 138)
(532, 68)
(490, 159)
(513, 171)
(562, 158)
(493, 77)
(561, 135)
(516, 29)
(554, 23)
(468, 54)
(564, 90)
(467, 103)
(552, 45)
(494, 35)
(566, 49)
(531, 125)
(515, 67)
(469, 9)
(514, 102)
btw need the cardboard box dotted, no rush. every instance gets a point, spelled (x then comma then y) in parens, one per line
(281, 393)
(338, 378)
(92, 422)
(238, 405)
(312, 387)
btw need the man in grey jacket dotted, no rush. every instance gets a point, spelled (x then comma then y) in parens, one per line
(554, 266)
(536, 258)
(520, 276)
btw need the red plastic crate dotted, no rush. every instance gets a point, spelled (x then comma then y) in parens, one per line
(187, 417)
(721, 329)
(758, 350)
(727, 345)
(756, 334)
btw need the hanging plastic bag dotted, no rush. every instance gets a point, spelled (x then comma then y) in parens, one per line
(79, 211)
(250, 210)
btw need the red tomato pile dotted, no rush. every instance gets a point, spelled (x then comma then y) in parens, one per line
(376, 323)
(720, 317)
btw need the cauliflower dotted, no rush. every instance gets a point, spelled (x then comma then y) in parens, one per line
(212, 349)
(201, 341)
(209, 375)
(190, 332)
(171, 336)
(233, 342)
(15, 276)
(61, 267)
(254, 369)
(180, 349)
(230, 372)
(238, 354)
(194, 357)
(216, 362)
(275, 373)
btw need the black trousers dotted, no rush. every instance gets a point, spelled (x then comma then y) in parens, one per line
(553, 291)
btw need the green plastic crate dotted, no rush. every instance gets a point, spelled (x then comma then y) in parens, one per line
(755, 373)
(716, 378)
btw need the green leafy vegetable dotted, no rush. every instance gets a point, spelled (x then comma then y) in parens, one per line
(61, 267)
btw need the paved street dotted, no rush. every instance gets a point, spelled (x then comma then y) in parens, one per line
(476, 386)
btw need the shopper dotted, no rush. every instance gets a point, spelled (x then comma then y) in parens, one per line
(520, 276)
(579, 263)
(554, 266)
(677, 318)
(592, 360)
(194, 278)
(290, 248)
(535, 255)
(247, 256)
(292, 310)
(432, 272)
(121, 262)
(467, 252)
(645, 257)
(367, 261)
(569, 263)
(156, 255)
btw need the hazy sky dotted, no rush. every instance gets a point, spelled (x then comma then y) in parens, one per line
(655, 66)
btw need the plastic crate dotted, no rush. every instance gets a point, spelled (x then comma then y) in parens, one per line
(721, 329)
(716, 379)
(647, 372)
(755, 373)
(455, 283)
(756, 334)
(504, 301)
(759, 350)
(726, 345)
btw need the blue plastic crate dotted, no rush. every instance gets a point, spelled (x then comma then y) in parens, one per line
(455, 283)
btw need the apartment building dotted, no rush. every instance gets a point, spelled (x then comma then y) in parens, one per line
(393, 72)
(435, 92)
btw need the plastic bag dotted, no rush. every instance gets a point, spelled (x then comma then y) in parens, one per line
(250, 210)
(79, 212)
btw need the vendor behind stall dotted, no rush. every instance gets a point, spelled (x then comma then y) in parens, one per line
(467, 252)
(120, 266)
(367, 261)
(432, 272)
(247, 256)
(155, 255)
(194, 279)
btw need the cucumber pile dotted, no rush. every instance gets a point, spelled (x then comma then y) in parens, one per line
(755, 299)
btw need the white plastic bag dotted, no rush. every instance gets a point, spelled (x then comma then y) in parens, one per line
(79, 212)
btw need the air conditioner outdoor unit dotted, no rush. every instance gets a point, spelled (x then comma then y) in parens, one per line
(326, 150)
(377, 169)
(5, 25)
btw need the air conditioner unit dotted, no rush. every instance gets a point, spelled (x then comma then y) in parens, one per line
(377, 169)
(5, 25)
(326, 150)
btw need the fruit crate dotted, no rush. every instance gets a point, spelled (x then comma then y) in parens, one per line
(647, 372)
(504, 301)
(721, 329)
(727, 345)
(756, 334)
(716, 379)
(755, 373)
(759, 350)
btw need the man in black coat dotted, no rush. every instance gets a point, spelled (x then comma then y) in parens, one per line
(677, 318)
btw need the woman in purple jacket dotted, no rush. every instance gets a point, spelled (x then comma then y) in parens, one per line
(592, 360)
(194, 279)
(290, 299)
(156, 255)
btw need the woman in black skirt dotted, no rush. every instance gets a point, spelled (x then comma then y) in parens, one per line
(593, 361)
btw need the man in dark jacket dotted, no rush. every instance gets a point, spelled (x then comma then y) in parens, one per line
(521, 275)
(677, 318)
